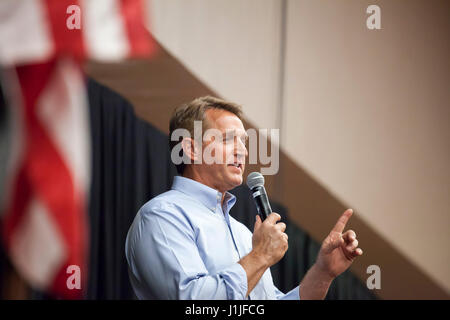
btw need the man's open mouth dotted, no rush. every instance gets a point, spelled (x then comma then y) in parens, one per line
(237, 165)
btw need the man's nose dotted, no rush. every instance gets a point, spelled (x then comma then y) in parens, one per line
(241, 149)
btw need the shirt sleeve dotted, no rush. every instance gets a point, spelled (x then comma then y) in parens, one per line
(165, 263)
(294, 294)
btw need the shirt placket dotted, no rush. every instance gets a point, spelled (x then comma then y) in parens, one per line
(226, 218)
(227, 221)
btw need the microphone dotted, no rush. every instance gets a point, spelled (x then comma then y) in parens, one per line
(255, 182)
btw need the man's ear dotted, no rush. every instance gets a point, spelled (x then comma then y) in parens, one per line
(191, 149)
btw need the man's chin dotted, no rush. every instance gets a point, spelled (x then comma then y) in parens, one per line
(237, 181)
(234, 179)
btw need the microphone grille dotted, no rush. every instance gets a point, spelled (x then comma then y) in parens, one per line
(255, 179)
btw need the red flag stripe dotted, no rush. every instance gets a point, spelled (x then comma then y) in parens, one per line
(50, 179)
(133, 15)
(21, 185)
(110, 31)
(67, 41)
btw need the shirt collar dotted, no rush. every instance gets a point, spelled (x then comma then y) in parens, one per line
(209, 197)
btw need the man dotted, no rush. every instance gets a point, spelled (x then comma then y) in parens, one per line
(183, 244)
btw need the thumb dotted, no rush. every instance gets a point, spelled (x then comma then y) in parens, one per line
(258, 223)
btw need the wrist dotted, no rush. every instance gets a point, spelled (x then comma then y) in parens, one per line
(321, 274)
(315, 284)
(259, 259)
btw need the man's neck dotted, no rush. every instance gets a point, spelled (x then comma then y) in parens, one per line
(191, 174)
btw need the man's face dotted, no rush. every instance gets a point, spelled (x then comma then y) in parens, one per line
(228, 148)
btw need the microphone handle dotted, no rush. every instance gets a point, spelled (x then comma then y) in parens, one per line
(262, 202)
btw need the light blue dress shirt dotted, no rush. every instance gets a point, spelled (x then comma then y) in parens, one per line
(184, 245)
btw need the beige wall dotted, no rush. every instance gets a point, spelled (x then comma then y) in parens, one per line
(364, 112)
(367, 114)
(232, 46)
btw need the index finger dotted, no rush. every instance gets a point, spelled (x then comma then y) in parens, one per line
(273, 217)
(340, 224)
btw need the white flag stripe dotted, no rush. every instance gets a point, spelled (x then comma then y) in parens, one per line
(37, 248)
(24, 32)
(104, 30)
(63, 110)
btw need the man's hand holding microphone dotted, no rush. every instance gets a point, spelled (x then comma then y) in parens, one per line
(270, 243)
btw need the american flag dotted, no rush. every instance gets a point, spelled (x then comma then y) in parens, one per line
(44, 206)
